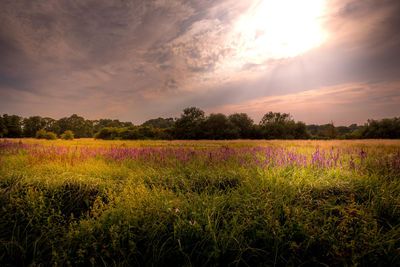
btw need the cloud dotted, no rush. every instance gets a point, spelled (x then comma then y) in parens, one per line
(372, 24)
(343, 104)
(138, 59)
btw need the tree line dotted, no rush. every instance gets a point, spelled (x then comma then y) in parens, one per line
(193, 124)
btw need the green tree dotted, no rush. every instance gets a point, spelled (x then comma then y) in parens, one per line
(160, 123)
(189, 125)
(313, 129)
(51, 125)
(77, 124)
(3, 127)
(32, 124)
(51, 136)
(275, 117)
(385, 128)
(328, 131)
(109, 133)
(217, 126)
(13, 124)
(299, 131)
(42, 134)
(243, 125)
(275, 125)
(100, 124)
(68, 135)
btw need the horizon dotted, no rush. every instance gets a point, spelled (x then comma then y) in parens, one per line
(321, 61)
(206, 114)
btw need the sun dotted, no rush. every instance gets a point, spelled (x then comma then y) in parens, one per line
(272, 29)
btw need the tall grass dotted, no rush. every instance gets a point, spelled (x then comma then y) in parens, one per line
(245, 203)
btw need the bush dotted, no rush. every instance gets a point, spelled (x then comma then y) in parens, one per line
(51, 136)
(68, 135)
(108, 133)
(42, 134)
(134, 133)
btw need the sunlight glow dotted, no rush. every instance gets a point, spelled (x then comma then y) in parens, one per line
(273, 29)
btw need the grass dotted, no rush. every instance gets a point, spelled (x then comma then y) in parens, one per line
(199, 203)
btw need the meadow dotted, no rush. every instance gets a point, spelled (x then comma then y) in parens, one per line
(199, 203)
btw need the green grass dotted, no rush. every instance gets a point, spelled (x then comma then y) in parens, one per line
(109, 213)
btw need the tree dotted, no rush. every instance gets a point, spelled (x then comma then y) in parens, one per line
(160, 123)
(275, 117)
(353, 127)
(342, 130)
(189, 125)
(51, 125)
(100, 124)
(42, 134)
(13, 124)
(68, 135)
(385, 128)
(313, 129)
(328, 131)
(77, 124)
(108, 133)
(274, 125)
(51, 136)
(217, 126)
(32, 125)
(3, 127)
(243, 124)
(300, 131)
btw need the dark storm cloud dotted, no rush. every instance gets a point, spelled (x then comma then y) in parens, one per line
(75, 45)
(81, 44)
(135, 60)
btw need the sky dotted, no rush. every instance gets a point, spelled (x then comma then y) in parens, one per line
(321, 61)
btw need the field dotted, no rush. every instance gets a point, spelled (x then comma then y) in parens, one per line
(199, 203)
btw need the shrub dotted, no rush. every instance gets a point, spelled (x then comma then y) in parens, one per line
(51, 136)
(42, 134)
(68, 135)
(134, 133)
(108, 133)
